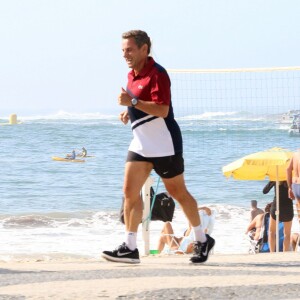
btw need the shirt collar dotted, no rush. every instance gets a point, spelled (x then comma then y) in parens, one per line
(146, 68)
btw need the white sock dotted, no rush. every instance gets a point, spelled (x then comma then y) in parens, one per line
(199, 234)
(131, 240)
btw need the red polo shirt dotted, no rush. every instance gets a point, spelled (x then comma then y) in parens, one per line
(153, 136)
(151, 84)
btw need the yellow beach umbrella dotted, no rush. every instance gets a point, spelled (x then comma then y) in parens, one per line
(271, 163)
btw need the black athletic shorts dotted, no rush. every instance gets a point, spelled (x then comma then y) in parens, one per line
(165, 167)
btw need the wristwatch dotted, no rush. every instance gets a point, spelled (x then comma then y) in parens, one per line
(134, 101)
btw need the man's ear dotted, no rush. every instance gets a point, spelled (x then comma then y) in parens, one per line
(145, 48)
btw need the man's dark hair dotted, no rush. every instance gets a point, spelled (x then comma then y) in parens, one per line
(254, 203)
(268, 207)
(140, 37)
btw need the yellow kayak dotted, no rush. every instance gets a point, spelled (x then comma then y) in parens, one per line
(57, 158)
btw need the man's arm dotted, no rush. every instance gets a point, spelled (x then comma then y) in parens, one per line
(289, 178)
(252, 225)
(268, 187)
(151, 108)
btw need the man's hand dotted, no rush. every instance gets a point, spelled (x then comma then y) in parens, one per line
(148, 107)
(124, 98)
(291, 194)
(123, 116)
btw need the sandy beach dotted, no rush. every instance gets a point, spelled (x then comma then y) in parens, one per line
(262, 276)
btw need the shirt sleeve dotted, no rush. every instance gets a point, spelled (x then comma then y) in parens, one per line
(161, 88)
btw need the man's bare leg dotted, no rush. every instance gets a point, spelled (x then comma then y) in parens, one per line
(177, 189)
(136, 173)
(203, 242)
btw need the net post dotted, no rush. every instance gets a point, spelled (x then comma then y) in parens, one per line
(146, 217)
(277, 210)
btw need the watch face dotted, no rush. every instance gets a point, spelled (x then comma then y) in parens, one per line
(134, 101)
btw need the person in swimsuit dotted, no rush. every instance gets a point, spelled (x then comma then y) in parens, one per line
(293, 180)
(293, 177)
(255, 210)
(184, 244)
(83, 152)
(255, 226)
(71, 156)
(286, 214)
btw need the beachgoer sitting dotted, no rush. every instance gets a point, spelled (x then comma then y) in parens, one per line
(258, 231)
(71, 156)
(254, 228)
(255, 210)
(83, 152)
(184, 244)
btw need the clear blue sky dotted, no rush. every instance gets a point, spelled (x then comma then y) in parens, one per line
(66, 55)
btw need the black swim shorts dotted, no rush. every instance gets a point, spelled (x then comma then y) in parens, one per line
(165, 167)
(286, 211)
(296, 190)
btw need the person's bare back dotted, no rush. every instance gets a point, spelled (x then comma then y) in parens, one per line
(296, 167)
(256, 224)
(293, 176)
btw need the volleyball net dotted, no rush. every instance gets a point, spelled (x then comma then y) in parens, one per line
(233, 99)
(228, 113)
(272, 90)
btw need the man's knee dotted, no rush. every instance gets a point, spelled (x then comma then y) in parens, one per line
(130, 191)
(178, 193)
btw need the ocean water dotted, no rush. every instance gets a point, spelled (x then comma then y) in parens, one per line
(60, 209)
